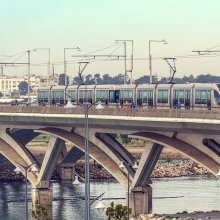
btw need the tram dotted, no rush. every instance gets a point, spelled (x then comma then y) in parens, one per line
(143, 95)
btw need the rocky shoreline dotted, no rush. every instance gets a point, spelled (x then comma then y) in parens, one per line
(164, 168)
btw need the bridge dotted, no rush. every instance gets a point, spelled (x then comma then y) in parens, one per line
(195, 133)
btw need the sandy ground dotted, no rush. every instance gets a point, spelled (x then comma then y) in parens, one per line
(214, 215)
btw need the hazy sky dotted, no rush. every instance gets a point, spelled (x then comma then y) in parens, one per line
(94, 24)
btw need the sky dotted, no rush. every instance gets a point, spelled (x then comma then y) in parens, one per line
(95, 24)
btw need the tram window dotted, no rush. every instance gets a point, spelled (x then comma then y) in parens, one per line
(57, 97)
(181, 96)
(201, 97)
(127, 95)
(162, 96)
(112, 96)
(85, 96)
(139, 97)
(102, 95)
(43, 96)
(217, 97)
(178, 96)
(71, 94)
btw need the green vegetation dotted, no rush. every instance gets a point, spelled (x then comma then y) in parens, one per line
(39, 212)
(119, 79)
(42, 138)
(117, 212)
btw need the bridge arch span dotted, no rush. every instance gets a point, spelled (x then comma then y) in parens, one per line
(95, 152)
(13, 156)
(187, 149)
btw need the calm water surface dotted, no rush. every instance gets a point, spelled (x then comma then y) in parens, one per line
(169, 196)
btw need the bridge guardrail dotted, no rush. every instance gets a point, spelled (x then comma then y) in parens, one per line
(133, 112)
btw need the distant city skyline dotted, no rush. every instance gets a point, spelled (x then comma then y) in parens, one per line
(92, 25)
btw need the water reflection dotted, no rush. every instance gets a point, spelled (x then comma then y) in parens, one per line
(169, 196)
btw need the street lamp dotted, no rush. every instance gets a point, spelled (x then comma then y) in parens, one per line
(86, 106)
(135, 167)
(150, 56)
(64, 62)
(48, 63)
(26, 169)
(100, 206)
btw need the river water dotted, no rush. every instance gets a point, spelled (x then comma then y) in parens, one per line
(170, 195)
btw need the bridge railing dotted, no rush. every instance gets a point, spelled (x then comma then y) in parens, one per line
(133, 112)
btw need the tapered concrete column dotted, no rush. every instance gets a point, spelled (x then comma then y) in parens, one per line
(45, 198)
(141, 200)
(67, 173)
(43, 195)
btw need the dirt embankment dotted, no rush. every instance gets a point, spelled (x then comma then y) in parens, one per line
(170, 164)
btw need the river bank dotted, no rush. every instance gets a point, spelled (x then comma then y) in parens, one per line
(214, 215)
(164, 168)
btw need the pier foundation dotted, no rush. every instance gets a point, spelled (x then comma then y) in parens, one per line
(67, 173)
(141, 200)
(44, 196)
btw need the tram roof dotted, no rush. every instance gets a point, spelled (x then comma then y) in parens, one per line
(108, 87)
(58, 87)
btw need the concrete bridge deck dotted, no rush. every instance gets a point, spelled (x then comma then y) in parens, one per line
(195, 133)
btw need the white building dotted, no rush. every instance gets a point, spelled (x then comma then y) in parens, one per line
(10, 84)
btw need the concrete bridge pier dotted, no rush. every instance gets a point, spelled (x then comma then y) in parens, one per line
(44, 195)
(67, 172)
(141, 200)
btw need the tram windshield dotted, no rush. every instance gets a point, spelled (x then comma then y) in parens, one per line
(217, 95)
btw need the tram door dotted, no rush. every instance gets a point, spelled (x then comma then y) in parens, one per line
(114, 96)
(182, 97)
(187, 99)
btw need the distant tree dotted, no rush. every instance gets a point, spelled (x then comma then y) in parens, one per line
(142, 80)
(207, 78)
(62, 79)
(76, 80)
(106, 79)
(89, 79)
(97, 78)
(1, 94)
(188, 79)
(23, 87)
(119, 79)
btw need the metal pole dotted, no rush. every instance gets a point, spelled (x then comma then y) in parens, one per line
(26, 199)
(28, 77)
(128, 194)
(48, 67)
(125, 77)
(132, 60)
(150, 63)
(87, 182)
(65, 80)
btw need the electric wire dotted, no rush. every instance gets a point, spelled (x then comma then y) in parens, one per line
(6, 57)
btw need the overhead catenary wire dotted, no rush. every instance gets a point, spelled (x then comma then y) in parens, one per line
(10, 56)
(110, 59)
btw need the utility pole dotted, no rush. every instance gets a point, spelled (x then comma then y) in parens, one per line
(150, 55)
(65, 62)
(53, 69)
(2, 71)
(29, 64)
(128, 70)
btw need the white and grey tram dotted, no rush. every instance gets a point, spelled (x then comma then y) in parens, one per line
(150, 95)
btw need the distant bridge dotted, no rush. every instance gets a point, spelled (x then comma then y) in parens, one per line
(195, 133)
